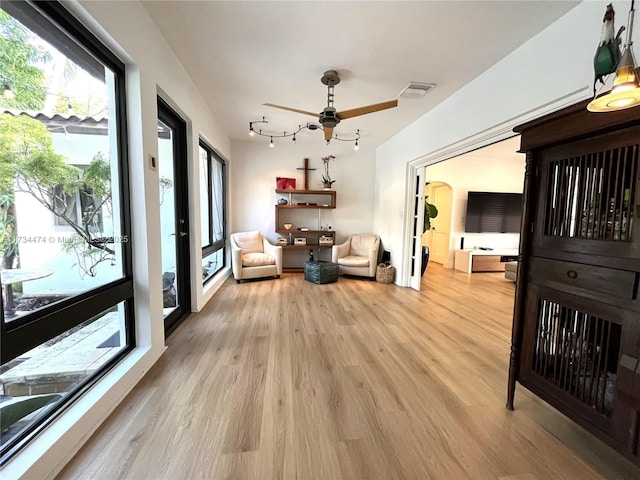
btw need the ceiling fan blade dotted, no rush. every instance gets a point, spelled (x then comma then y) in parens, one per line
(328, 133)
(368, 109)
(291, 109)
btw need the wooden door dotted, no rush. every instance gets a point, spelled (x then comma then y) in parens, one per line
(442, 197)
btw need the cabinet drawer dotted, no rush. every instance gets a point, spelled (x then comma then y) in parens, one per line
(486, 263)
(585, 280)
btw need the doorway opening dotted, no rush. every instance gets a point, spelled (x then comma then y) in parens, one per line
(494, 168)
(174, 216)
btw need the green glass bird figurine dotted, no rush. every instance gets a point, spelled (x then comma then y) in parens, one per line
(608, 52)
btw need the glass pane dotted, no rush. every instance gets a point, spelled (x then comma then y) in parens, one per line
(33, 384)
(205, 214)
(59, 215)
(167, 218)
(217, 187)
(211, 264)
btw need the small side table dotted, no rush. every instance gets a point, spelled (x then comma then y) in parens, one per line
(320, 272)
(18, 275)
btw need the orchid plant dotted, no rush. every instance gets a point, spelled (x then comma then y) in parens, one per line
(326, 178)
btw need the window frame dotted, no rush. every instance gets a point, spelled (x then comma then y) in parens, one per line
(79, 209)
(212, 246)
(60, 28)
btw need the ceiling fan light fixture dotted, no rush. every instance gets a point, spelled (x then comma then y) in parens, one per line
(329, 117)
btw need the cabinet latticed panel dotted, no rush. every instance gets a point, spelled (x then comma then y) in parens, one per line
(587, 195)
(576, 330)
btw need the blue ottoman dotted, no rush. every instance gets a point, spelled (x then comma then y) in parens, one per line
(320, 272)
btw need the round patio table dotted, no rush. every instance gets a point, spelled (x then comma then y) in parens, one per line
(19, 275)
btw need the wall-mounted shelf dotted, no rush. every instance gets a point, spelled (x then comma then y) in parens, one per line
(316, 200)
(325, 193)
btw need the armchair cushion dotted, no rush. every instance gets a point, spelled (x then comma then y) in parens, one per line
(354, 261)
(362, 244)
(249, 242)
(256, 259)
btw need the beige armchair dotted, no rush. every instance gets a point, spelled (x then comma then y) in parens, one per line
(511, 271)
(358, 255)
(252, 256)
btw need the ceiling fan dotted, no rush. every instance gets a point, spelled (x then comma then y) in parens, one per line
(329, 117)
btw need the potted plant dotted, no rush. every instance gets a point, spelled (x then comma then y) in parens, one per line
(326, 178)
(430, 211)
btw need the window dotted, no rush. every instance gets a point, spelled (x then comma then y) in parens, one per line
(81, 208)
(67, 311)
(212, 208)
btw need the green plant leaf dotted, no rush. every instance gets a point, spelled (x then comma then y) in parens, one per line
(14, 412)
(430, 211)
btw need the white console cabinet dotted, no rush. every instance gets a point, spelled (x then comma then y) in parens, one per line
(484, 260)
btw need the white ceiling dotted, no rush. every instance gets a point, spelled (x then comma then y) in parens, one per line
(241, 54)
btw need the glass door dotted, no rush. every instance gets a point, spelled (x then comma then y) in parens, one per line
(174, 208)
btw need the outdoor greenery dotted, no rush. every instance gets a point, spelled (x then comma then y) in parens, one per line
(19, 62)
(14, 412)
(29, 163)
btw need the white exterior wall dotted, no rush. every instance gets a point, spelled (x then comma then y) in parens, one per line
(552, 70)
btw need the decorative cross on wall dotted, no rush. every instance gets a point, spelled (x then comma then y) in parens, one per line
(306, 173)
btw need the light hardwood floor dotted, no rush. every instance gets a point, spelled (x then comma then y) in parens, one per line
(356, 379)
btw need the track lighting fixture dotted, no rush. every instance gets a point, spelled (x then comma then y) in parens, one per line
(308, 126)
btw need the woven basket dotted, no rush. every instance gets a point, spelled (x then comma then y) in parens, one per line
(385, 273)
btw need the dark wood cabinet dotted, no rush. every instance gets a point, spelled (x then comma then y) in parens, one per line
(576, 326)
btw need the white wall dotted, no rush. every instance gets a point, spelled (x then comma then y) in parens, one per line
(256, 167)
(552, 70)
(484, 171)
(151, 69)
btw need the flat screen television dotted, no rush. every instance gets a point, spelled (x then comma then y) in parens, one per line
(493, 212)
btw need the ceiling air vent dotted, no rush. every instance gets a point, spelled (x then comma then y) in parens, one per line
(416, 90)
